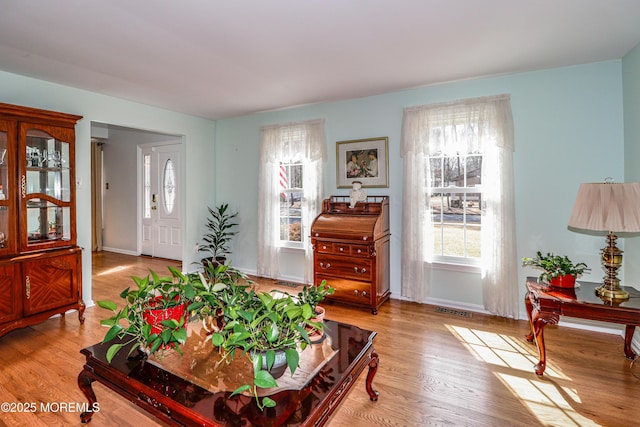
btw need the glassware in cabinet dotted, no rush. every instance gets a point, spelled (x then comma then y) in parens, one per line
(46, 187)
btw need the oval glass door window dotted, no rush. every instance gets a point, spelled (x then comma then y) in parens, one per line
(169, 186)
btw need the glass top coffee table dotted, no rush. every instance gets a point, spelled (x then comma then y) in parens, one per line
(194, 389)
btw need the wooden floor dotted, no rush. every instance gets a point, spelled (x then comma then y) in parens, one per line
(439, 369)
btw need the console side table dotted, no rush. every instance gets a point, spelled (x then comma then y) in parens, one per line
(545, 304)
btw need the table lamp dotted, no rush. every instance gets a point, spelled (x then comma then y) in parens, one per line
(612, 208)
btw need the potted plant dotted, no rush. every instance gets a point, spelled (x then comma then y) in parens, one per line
(558, 270)
(267, 328)
(217, 288)
(220, 228)
(313, 295)
(154, 314)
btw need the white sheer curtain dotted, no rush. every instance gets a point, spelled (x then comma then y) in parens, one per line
(492, 124)
(288, 143)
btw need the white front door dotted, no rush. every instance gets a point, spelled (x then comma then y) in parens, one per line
(161, 195)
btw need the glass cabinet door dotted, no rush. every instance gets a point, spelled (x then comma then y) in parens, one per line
(46, 202)
(8, 224)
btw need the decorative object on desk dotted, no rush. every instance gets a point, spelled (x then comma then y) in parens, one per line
(610, 208)
(558, 270)
(313, 295)
(357, 194)
(220, 228)
(151, 293)
(364, 160)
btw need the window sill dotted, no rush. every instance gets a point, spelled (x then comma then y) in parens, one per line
(464, 268)
(292, 250)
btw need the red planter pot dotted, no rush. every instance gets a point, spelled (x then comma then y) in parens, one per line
(566, 281)
(155, 316)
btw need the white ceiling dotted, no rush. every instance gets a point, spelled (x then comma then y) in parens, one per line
(224, 58)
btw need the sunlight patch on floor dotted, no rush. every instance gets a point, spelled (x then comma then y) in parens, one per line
(500, 350)
(114, 270)
(547, 401)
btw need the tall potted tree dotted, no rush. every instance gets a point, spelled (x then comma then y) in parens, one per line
(220, 230)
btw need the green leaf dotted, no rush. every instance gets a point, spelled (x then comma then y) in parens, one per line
(170, 323)
(264, 379)
(146, 331)
(272, 332)
(109, 305)
(268, 402)
(124, 293)
(271, 358)
(240, 390)
(180, 335)
(109, 322)
(307, 312)
(303, 334)
(257, 362)
(217, 339)
(112, 332)
(189, 292)
(195, 306)
(293, 359)
(165, 335)
(112, 351)
(218, 287)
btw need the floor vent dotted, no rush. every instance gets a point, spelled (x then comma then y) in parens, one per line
(288, 284)
(453, 311)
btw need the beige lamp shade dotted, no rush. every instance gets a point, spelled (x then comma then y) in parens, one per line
(610, 207)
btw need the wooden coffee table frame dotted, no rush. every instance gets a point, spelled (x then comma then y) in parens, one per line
(179, 402)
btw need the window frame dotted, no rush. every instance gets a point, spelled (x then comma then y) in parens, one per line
(292, 244)
(442, 190)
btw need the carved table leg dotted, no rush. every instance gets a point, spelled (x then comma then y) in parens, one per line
(373, 368)
(628, 337)
(537, 322)
(529, 307)
(81, 308)
(85, 379)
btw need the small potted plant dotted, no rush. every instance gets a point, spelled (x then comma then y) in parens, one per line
(557, 270)
(217, 288)
(154, 314)
(313, 295)
(267, 328)
(220, 228)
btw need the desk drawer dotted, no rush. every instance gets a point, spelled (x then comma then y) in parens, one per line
(354, 268)
(340, 248)
(352, 291)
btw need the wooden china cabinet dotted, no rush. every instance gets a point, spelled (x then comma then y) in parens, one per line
(40, 263)
(351, 250)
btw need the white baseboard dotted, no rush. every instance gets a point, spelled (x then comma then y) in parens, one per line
(120, 251)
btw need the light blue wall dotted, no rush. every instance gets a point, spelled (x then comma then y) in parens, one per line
(569, 130)
(631, 85)
(198, 137)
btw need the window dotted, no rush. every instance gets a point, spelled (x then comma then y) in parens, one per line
(289, 191)
(458, 201)
(454, 200)
(291, 198)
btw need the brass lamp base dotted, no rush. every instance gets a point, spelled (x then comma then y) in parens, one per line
(615, 294)
(611, 262)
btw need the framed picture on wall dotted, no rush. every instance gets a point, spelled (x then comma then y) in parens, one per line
(364, 160)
